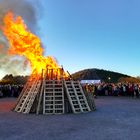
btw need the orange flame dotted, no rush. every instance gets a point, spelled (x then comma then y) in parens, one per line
(24, 43)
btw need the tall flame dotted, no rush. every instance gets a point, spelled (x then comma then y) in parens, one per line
(24, 43)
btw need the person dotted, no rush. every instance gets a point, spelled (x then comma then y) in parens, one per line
(1, 94)
(136, 91)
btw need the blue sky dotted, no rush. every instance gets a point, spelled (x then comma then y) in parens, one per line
(83, 34)
(101, 34)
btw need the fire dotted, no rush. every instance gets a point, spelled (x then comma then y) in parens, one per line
(24, 43)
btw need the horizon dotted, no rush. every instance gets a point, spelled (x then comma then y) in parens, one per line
(73, 73)
(91, 34)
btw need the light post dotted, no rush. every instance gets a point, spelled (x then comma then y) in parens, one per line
(109, 79)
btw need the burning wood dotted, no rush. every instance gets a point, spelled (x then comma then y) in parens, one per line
(24, 43)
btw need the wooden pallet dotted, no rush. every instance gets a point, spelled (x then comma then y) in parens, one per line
(76, 97)
(53, 101)
(28, 96)
(25, 88)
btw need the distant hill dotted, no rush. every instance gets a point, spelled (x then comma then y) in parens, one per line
(103, 75)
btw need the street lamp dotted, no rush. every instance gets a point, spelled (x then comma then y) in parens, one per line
(109, 79)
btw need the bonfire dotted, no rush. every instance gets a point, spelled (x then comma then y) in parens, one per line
(24, 43)
(49, 89)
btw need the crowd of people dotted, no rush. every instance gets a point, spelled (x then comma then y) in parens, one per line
(101, 89)
(111, 89)
(10, 90)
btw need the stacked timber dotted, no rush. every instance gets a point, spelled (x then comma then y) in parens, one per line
(52, 94)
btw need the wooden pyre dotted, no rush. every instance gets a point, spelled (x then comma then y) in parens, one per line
(53, 94)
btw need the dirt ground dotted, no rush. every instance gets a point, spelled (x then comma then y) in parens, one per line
(116, 118)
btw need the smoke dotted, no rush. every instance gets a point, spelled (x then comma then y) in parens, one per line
(30, 11)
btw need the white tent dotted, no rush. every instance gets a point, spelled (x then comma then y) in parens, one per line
(90, 81)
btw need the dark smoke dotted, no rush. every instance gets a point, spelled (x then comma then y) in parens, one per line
(30, 11)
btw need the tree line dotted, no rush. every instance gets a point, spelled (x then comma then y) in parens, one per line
(13, 80)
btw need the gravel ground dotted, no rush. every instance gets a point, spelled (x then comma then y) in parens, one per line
(116, 118)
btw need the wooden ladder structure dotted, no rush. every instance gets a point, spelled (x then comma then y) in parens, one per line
(76, 97)
(28, 95)
(50, 93)
(53, 98)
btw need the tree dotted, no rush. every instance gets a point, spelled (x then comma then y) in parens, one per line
(129, 80)
(10, 79)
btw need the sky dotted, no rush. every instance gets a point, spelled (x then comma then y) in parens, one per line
(83, 34)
